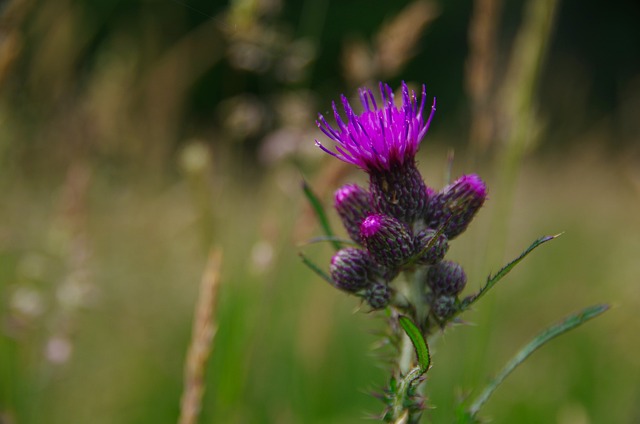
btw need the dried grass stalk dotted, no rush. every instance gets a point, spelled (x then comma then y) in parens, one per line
(204, 329)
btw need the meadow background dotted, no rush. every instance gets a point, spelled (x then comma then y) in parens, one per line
(137, 135)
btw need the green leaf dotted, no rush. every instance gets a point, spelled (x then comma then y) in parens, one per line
(562, 327)
(493, 280)
(419, 343)
(404, 405)
(320, 214)
(315, 268)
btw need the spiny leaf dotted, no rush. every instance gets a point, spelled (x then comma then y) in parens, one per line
(419, 343)
(562, 327)
(315, 268)
(492, 280)
(320, 214)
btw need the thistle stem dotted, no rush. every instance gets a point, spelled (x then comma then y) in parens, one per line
(413, 290)
(406, 358)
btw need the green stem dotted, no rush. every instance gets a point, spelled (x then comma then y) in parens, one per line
(406, 355)
(400, 411)
(405, 405)
(412, 290)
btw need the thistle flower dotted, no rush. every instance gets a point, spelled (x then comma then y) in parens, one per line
(456, 205)
(405, 226)
(379, 138)
(383, 141)
(387, 239)
(352, 204)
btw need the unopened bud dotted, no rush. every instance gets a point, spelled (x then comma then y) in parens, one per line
(444, 306)
(352, 269)
(456, 205)
(446, 278)
(431, 246)
(387, 239)
(352, 204)
(378, 295)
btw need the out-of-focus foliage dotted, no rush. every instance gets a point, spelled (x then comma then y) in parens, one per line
(133, 79)
(134, 135)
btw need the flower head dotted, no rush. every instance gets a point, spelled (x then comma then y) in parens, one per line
(380, 137)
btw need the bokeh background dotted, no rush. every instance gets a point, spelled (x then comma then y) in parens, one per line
(137, 135)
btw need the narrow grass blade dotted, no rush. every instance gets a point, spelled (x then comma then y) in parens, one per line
(315, 268)
(567, 324)
(492, 280)
(320, 214)
(449, 167)
(333, 239)
(419, 343)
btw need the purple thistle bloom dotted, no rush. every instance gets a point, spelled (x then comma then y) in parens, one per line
(383, 141)
(380, 138)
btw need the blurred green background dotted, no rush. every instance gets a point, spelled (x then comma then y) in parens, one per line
(136, 135)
